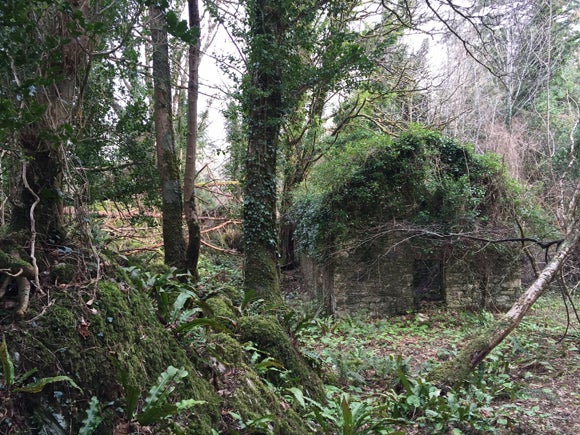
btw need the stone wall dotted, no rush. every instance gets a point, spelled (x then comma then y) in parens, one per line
(394, 277)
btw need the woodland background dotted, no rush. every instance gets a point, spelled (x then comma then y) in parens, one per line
(152, 216)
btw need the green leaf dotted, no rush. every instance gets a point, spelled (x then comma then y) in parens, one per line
(347, 428)
(180, 29)
(25, 376)
(202, 321)
(414, 401)
(298, 395)
(7, 365)
(159, 392)
(38, 386)
(131, 398)
(156, 413)
(179, 303)
(189, 403)
(93, 418)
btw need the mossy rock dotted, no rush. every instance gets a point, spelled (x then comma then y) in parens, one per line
(122, 343)
(228, 349)
(221, 307)
(267, 334)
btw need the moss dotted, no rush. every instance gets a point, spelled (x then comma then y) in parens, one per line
(14, 263)
(122, 340)
(245, 393)
(262, 276)
(249, 397)
(221, 307)
(227, 348)
(62, 272)
(267, 334)
(458, 370)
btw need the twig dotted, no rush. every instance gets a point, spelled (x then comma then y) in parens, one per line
(32, 230)
(227, 251)
(223, 224)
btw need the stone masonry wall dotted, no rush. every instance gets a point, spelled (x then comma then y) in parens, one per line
(379, 281)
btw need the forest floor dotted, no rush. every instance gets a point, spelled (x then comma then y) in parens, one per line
(536, 371)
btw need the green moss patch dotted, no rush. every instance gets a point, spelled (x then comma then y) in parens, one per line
(267, 334)
(117, 345)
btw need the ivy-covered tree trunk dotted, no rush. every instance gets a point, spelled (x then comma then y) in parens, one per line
(263, 100)
(191, 217)
(57, 85)
(474, 352)
(167, 162)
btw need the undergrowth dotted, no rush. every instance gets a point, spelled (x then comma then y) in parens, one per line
(374, 369)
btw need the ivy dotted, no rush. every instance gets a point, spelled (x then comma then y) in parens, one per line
(422, 178)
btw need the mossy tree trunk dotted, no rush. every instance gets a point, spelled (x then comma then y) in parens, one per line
(58, 84)
(167, 161)
(263, 100)
(458, 369)
(49, 77)
(191, 217)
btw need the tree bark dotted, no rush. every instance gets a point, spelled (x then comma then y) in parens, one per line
(167, 162)
(43, 142)
(191, 217)
(263, 97)
(458, 369)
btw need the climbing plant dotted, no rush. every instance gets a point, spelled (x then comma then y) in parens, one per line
(420, 178)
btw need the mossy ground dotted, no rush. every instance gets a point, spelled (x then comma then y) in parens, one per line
(119, 343)
(109, 340)
(267, 334)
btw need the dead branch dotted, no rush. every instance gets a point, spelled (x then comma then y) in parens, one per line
(223, 224)
(226, 251)
(32, 229)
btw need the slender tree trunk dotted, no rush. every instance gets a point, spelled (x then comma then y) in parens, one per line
(458, 369)
(167, 161)
(263, 98)
(191, 217)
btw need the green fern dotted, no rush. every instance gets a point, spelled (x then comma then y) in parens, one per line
(93, 418)
(7, 365)
(165, 386)
(15, 383)
(156, 407)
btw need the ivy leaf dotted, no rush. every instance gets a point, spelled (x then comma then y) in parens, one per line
(180, 29)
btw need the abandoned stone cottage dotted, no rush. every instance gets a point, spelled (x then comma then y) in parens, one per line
(380, 241)
(394, 276)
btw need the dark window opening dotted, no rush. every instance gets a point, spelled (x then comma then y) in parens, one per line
(428, 281)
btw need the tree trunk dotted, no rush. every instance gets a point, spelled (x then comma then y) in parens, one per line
(191, 217)
(263, 97)
(43, 142)
(167, 162)
(458, 369)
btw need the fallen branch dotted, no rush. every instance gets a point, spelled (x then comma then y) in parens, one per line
(223, 224)
(455, 371)
(216, 248)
